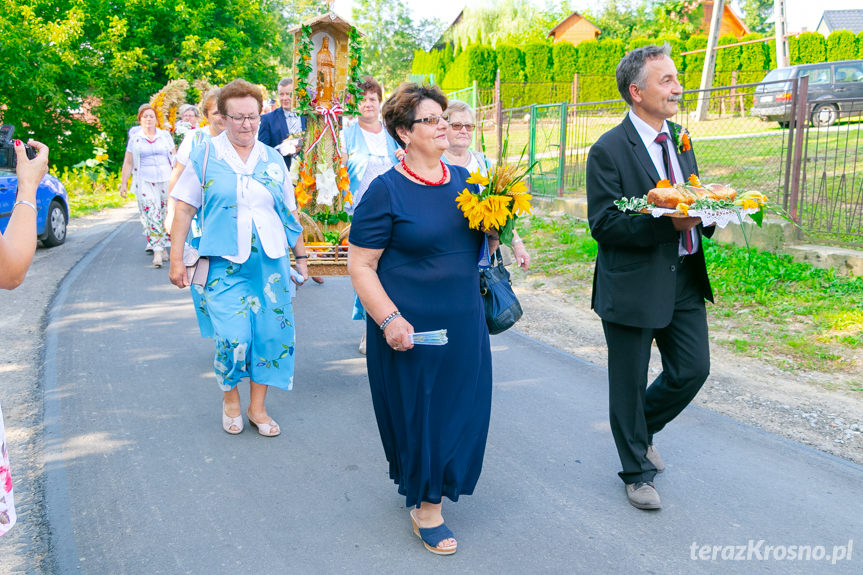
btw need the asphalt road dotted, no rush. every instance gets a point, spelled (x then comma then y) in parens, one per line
(140, 478)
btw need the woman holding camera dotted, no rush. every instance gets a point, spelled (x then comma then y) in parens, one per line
(17, 247)
(149, 160)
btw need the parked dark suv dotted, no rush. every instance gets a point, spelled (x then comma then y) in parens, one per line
(835, 90)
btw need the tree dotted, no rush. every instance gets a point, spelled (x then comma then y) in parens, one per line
(391, 38)
(756, 14)
(513, 21)
(63, 58)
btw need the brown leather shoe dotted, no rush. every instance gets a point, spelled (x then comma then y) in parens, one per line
(643, 495)
(655, 459)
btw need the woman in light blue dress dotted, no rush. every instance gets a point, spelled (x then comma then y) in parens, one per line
(241, 192)
(371, 151)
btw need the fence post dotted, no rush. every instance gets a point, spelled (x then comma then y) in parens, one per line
(474, 100)
(802, 119)
(573, 96)
(789, 156)
(561, 163)
(531, 148)
(498, 116)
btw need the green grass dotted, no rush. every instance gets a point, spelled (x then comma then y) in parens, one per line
(90, 190)
(790, 314)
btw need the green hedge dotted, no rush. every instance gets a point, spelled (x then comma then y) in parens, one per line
(860, 45)
(537, 68)
(565, 61)
(694, 63)
(841, 45)
(754, 56)
(809, 47)
(728, 59)
(510, 60)
(677, 46)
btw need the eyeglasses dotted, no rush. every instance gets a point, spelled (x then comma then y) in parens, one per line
(240, 120)
(457, 126)
(430, 120)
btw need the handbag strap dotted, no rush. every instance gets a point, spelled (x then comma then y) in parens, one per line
(486, 260)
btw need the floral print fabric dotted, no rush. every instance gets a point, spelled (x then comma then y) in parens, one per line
(250, 309)
(152, 209)
(7, 498)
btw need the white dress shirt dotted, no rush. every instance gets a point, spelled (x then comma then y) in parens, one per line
(255, 206)
(654, 149)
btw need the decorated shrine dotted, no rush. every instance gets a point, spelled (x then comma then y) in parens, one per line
(326, 72)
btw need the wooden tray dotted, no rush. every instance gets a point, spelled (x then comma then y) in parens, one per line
(326, 260)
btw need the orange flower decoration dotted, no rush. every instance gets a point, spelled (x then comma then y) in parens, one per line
(693, 179)
(303, 198)
(663, 184)
(685, 143)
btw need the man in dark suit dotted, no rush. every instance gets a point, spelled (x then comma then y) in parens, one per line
(650, 281)
(282, 122)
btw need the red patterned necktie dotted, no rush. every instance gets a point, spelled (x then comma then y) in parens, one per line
(662, 140)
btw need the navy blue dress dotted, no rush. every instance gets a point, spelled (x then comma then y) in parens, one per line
(432, 403)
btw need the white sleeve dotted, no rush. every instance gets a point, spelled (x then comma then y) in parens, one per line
(290, 198)
(185, 148)
(188, 188)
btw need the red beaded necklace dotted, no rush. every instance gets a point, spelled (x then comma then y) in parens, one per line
(423, 180)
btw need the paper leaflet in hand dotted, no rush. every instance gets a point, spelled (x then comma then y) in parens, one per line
(298, 277)
(437, 337)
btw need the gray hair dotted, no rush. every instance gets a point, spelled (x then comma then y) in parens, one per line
(186, 107)
(284, 82)
(631, 69)
(457, 106)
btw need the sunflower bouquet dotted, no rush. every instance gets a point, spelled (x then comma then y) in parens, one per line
(501, 200)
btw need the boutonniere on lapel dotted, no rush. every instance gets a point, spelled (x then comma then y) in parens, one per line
(680, 136)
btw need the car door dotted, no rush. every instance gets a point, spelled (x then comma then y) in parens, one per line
(849, 85)
(8, 189)
(820, 83)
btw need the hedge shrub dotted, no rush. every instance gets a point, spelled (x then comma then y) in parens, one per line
(841, 45)
(565, 61)
(754, 56)
(728, 59)
(860, 45)
(810, 47)
(694, 63)
(510, 60)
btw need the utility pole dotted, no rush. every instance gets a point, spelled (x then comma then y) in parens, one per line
(781, 25)
(710, 60)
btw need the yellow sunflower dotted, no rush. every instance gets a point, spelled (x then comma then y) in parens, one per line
(521, 204)
(477, 178)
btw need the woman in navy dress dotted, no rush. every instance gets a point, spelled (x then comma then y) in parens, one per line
(413, 263)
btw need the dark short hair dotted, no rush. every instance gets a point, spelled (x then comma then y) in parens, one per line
(143, 108)
(239, 88)
(631, 70)
(399, 111)
(369, 84)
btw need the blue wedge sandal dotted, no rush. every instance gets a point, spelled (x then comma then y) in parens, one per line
(432, 536)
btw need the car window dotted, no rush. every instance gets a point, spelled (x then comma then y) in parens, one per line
(849, 73)
(778, 74)
(818, 75)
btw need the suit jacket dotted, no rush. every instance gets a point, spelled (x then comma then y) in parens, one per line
(635, 279)
(274, 129)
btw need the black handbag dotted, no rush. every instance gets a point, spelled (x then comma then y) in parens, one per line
(502, 309)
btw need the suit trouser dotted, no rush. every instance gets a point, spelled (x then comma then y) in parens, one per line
(636, 411)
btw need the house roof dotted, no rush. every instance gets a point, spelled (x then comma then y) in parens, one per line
(567, 19)
(843, 20)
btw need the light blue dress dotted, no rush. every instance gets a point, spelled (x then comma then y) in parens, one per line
(248, 304)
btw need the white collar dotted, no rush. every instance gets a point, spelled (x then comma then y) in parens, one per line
(646, 131)
(225, 151)
(288, 112)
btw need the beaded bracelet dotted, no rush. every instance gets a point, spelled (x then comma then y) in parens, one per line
(518, 241)
(390, 318)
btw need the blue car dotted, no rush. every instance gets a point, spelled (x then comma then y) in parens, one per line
(51, 202)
